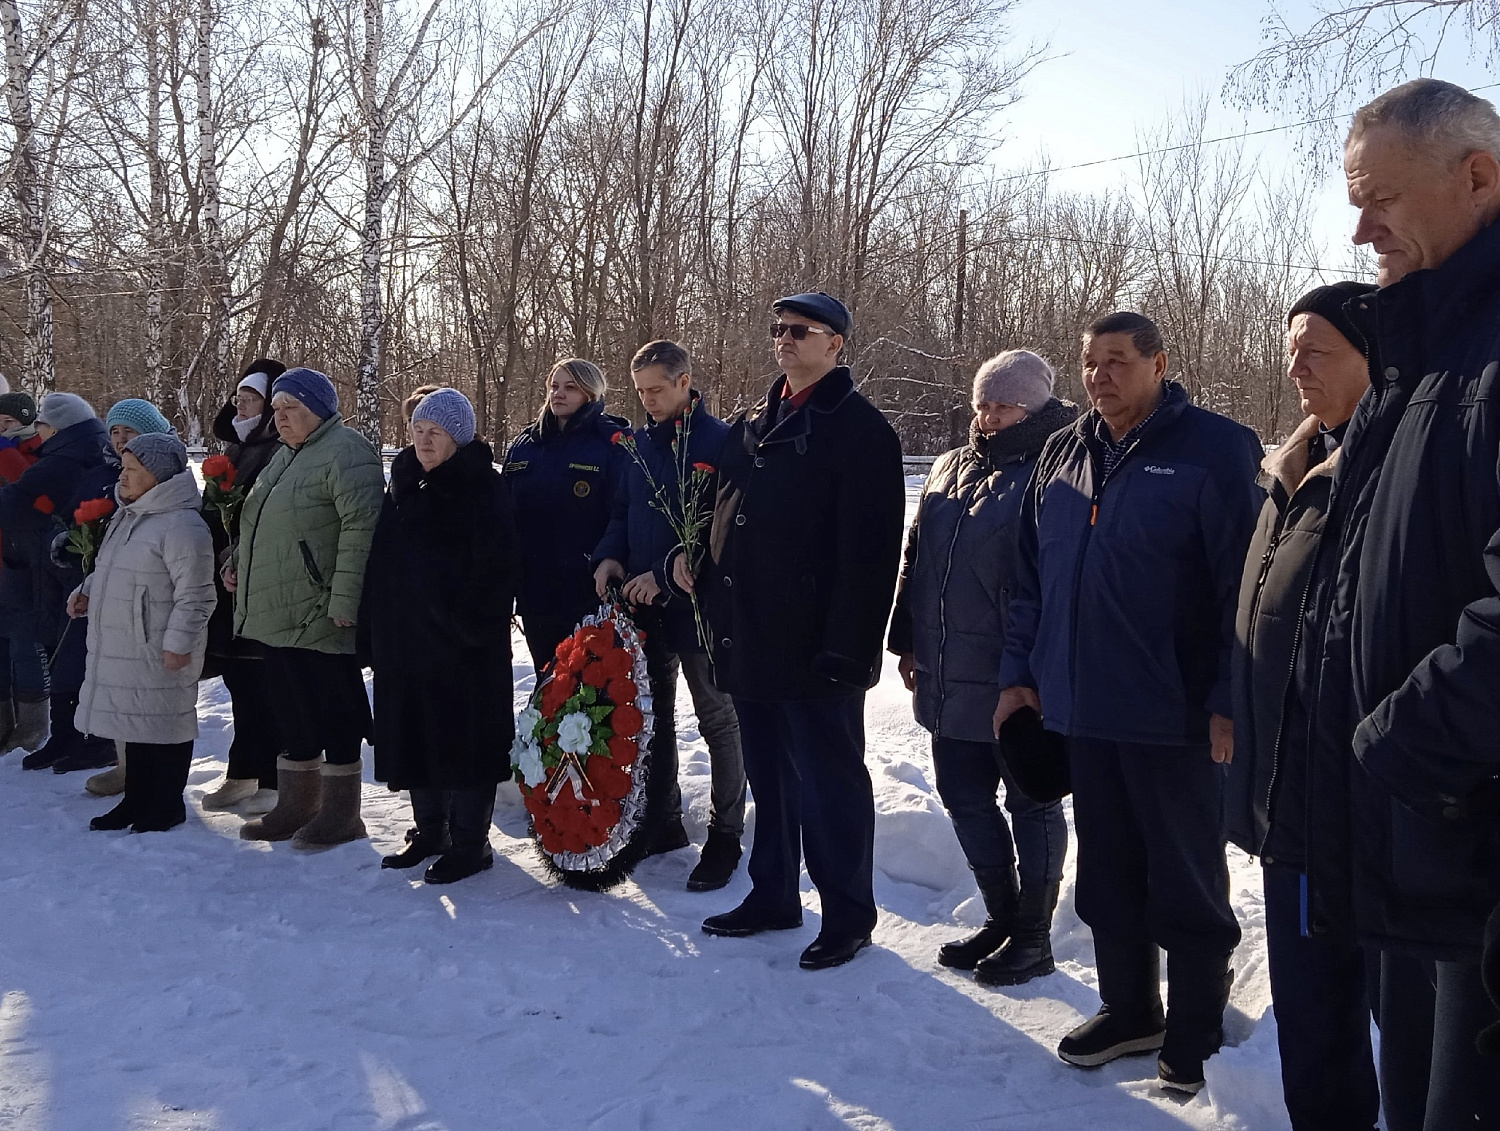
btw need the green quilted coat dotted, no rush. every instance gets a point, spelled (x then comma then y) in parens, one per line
(304, 536)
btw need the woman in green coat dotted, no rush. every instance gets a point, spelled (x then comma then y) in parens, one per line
(297, 574)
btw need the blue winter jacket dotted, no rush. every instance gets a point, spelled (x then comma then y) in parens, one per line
(563, 483)
(1122, 616)
(639, 535)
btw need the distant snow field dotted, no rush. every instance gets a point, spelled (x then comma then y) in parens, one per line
(191, 981)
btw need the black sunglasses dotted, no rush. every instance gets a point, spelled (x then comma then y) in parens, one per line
(797, 331)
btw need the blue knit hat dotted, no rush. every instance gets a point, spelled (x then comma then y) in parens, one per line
(140, 415)
(311, 388)
(451, 411)
(160, 453)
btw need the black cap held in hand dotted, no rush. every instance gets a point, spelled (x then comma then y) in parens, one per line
(1328, 302)
(820, 307)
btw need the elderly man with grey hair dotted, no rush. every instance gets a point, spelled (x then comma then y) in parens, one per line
(1404, 836)
(949, 629)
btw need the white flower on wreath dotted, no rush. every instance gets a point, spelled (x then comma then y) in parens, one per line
(573, 733)
(528, 722)
(533, 771)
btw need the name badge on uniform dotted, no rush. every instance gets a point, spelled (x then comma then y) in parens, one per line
(518, 465)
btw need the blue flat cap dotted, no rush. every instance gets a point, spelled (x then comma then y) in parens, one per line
(820, 307)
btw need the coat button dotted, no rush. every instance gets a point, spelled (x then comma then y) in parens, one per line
(1453, 813)
(728, 581)
(726, 642)
(1392, 373)
(760, 461)
(739, 520)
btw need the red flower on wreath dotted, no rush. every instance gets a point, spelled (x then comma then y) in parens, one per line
(621, 691)
(627, 721)
(557, 692)
(616, 664)
(596, 640)
(595, 676)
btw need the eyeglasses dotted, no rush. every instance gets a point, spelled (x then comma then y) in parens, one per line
(797, 331)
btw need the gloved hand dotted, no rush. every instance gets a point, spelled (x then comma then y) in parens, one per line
(58, 551)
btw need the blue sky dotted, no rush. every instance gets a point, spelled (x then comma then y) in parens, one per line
(1122, 67)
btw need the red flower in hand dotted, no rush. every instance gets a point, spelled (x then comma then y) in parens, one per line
(617, 438)
(91, 510)
(44, 504)
(706, 468)
(221, 470)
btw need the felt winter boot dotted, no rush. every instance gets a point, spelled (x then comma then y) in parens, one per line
(112, 781)
(231, 792)
(299, 795)
(7, 724)
(31, 723)
(263, 800)
(1028, 954)
(998, 888)
(338, 820)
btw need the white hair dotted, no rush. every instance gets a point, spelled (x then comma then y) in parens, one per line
(1440, 117)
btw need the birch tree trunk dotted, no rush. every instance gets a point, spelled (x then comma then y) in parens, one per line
(371, 245)
(156, 234)
(38, 368)
(216, 272)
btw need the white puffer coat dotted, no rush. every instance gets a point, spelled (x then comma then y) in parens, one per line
(152, 590)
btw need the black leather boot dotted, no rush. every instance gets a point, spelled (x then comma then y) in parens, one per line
(1197, 993)
(999, 889)
(1028, 954)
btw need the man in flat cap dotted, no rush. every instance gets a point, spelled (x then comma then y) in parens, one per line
(797, 585)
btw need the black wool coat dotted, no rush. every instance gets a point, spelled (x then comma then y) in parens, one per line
(952, 606)
(249, 457)
(434, 624)
(1409, 675)
(1266, 788)
(805, 546)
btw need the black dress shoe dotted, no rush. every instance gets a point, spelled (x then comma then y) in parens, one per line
(832, 950)
(745, 921)
(458, 864)
(417, 849)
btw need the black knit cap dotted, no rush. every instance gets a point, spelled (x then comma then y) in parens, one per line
(820, 307)
(18, 405)
(1328, 302)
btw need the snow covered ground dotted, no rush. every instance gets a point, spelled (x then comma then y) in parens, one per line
(192, 981)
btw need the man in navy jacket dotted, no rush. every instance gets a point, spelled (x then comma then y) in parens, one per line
(680, 446)
(1132, 542)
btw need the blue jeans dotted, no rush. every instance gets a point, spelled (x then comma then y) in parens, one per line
(23, 669)
(969, 775)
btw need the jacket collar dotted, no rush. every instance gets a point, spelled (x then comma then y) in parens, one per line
(179, 493)
(1287, 467)
(662, 433)
(1427, 309)
(333, 422)
(830, 392)
(455, 473)
(1023, 439)
(1174, 402)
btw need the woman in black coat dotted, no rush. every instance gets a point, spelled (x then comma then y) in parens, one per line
(564, 474)
(247, 429)
(434, 624)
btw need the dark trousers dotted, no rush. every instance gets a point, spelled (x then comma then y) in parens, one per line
(806, 764)
(717, 723)
(1432, 1078)
(66, 673)
(321, 706)
(1152, 873)
(1035, 841)
(1319, 991)
(461, 816)
(23, 669)
(256, 743)
(156, 773)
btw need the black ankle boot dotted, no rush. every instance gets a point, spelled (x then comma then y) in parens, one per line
(1028, 954)
(417, 849)
(122, 816)
(997, 887)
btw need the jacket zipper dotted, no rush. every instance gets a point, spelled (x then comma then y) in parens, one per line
(943, 599)
(243, 580)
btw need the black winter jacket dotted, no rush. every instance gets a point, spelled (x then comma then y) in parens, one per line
(249, 457)
(1123, 615)
(563, 482)
(805, 546)
(434, 623)
(1410, 666)
(952, 604)
(1267, 784)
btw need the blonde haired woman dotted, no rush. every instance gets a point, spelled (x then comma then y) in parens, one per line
(564, 474)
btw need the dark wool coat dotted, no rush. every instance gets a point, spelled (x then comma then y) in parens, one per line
(249, 457)
(435, 624)
(563, 484)
(639, 536)
(1410, 668)
(32, 510)
(1267, 783)
(952, 605)
(1123, 613)
(805, 546)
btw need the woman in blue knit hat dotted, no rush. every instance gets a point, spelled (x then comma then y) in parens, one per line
(435, 625)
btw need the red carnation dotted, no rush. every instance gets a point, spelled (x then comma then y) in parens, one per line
(627, 721)
(570, 657)
(91, 510)
(617, 438)
(557, 692)
(616, 664)
(623, 751)
(595, 676)
(221, 470)
(621, 691)
(610, 782)
(596, 639)
(44, 504)
(706, 468)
